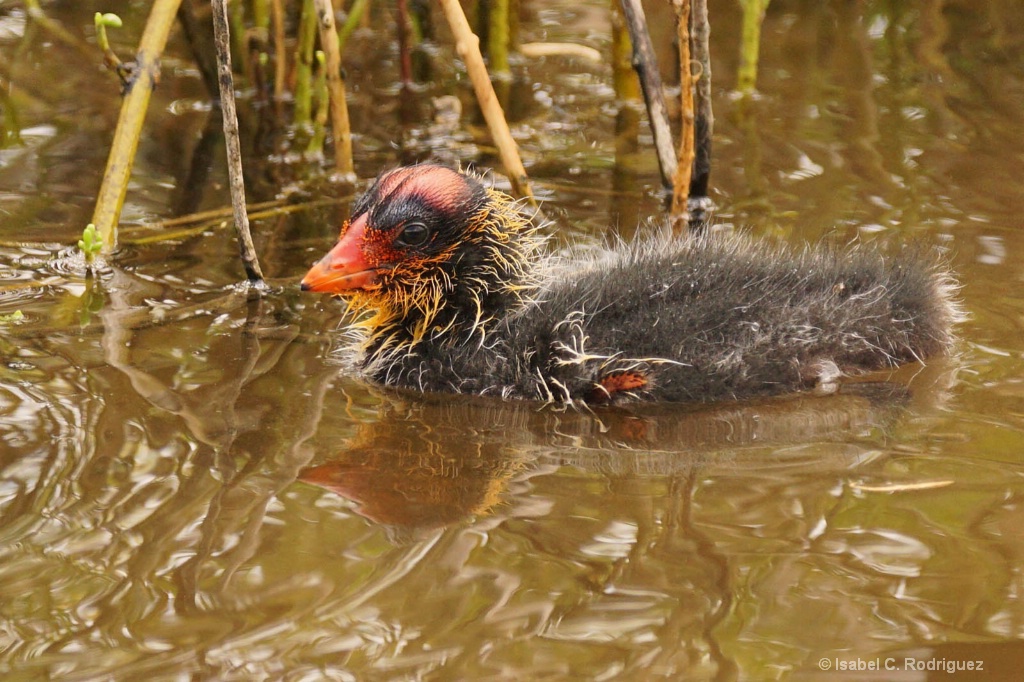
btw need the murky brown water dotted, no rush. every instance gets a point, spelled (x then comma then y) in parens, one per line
(189, 488)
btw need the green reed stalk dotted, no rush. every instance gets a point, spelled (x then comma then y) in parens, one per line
(138, 89)
(750, 44)
(498, 38)
(355, 15)
(304, 64)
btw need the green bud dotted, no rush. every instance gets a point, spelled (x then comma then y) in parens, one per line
(91, 242)
(108, 19)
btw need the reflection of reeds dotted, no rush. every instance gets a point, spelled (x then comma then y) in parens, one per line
(280, 63)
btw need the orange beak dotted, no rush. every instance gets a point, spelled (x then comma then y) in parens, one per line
(344, 267)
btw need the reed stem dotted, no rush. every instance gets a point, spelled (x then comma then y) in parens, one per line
(304, 64)
(684, 166)
(225, 79)
(498, 37)
(646, 66)
(335, 83)
(280, 54)
(750, 44)
(137, 91)
(355, 15)
(467, 44)
(700, 204)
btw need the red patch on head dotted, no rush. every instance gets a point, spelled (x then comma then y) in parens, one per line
(443, 189)
(378, 250)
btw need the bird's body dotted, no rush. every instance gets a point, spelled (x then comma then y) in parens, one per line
(465, 300)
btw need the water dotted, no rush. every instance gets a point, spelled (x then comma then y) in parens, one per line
(191, 488)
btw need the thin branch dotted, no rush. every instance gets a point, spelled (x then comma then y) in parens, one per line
(701, 205)
(684, 168)
(213, 214)
(230, 118)
(646, 66)
(467, 44)
(538, 50)
(335, 83)
(112, 192)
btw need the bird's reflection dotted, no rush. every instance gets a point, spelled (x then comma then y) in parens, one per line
(432, 461)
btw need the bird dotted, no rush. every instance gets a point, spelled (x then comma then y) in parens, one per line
(453, 289)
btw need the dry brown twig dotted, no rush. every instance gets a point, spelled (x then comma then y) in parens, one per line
(646, 66)
(236, 182)
(680, 214)
(467, 44)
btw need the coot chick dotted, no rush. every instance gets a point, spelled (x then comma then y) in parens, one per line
(454, 292)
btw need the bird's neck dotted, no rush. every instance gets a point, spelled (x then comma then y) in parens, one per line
(463, 318)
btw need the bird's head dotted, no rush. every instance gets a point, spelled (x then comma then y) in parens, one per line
(430, 249)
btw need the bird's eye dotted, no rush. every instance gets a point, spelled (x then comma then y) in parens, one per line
(414, 234)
